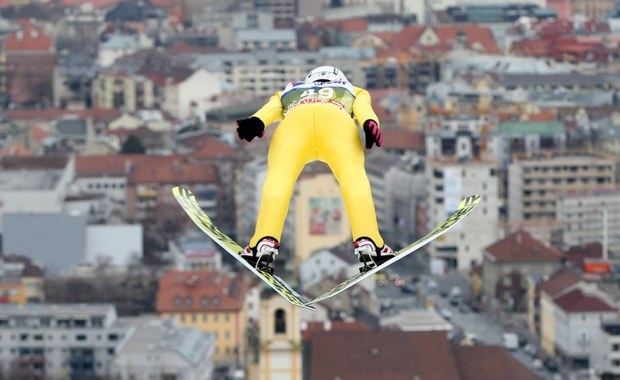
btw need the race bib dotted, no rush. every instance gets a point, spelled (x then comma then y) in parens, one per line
(337, 94)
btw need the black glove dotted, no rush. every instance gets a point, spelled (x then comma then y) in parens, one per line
(247, 129)
(373, 133)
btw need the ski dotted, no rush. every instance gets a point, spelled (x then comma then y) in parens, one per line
(464, 208)
(189, 204)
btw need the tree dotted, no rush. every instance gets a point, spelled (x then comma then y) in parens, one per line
(133, 145)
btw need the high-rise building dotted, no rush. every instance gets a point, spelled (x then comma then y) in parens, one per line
(536, 180)
(449, 181)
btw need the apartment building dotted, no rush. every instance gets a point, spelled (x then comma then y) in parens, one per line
(264, 72)
(209, 301)
(154, 79)
(519, 137)
(43, 341)
(462, 135)
(605, 357)
(590, 216)
(535, 181)
(578, 313)
(449, 181)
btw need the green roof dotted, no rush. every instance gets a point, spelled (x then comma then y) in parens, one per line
(520, 128)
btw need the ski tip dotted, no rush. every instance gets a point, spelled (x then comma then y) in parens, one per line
(470, 201)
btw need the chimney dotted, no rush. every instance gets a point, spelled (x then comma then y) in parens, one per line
(128, 166)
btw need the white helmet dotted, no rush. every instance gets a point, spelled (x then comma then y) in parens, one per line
(326, 74)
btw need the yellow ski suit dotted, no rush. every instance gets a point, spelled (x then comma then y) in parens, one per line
(317, 124)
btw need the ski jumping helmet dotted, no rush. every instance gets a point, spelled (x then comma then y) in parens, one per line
(326, 74)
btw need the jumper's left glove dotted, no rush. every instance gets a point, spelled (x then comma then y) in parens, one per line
(373, 133)
(247, 129)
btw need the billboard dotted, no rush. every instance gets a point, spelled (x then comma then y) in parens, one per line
(325, 216)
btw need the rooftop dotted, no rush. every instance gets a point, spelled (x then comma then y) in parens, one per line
(15, 180)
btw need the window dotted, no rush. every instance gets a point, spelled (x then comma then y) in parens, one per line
(97, 321)
(280, 322)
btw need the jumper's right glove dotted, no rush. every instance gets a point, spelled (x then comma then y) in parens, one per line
(247, 129)
(373, 133)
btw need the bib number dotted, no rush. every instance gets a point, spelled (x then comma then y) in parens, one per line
(325, 93)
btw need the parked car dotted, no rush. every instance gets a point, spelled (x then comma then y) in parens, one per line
(408, 289)
(551, 365)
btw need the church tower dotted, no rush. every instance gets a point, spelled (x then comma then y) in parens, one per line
(280, 344)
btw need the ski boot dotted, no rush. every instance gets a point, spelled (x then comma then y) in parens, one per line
(371, 256)
(262, 254)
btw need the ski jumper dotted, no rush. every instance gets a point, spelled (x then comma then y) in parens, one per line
(317, 124)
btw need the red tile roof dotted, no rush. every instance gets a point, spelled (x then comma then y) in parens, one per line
(28, 39)
(576, 301)
(140, 168)
(15, 150)
(173, 171)
(49, 114)
(38, 133)
(348, 25)
(98, 4)
(559, 281)
(521, 246)
(200, 291)
(497, 364)
(577, 254)
(543, 116)
(316, 327)
(86, 166)
(408, 39)
(30, 268)
(398, 138)
(209, 147)
(371, 355)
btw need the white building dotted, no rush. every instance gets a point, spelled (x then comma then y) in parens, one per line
(416, 320)
(114, 244)
(195, 253)
(119, 45)
(59, 341)
(259, 39)
(592, 216)
(536, 181)
(29, 190)
(605, 356)
(335, 261)
(156, 349)
(191, 96)
(449, 181)
(578, 314)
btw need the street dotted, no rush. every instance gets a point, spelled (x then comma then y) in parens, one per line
(420, 289)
